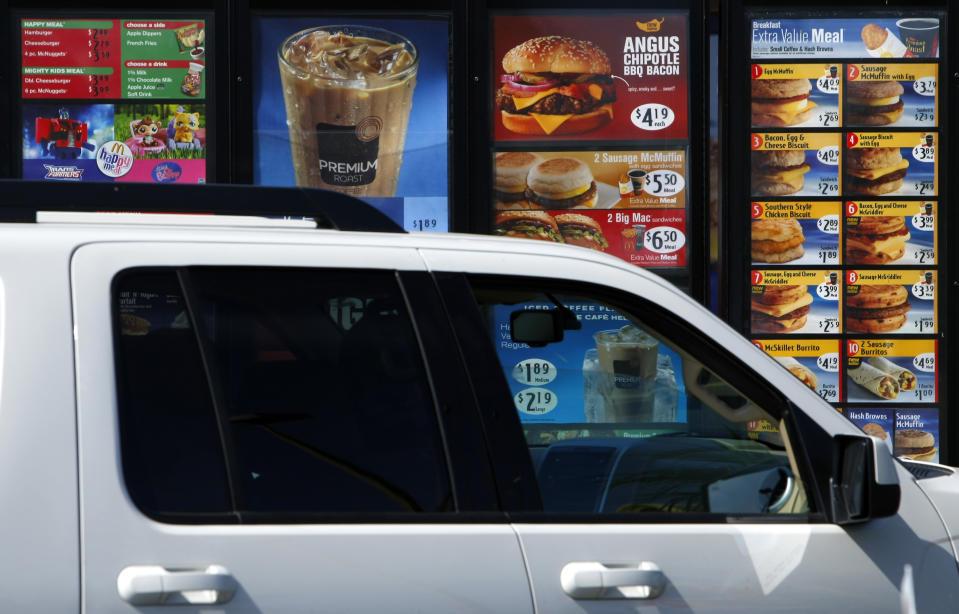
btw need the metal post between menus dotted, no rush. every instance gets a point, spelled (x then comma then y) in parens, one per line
(838, 182)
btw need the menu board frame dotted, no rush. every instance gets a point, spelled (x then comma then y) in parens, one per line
(860, 393)
(485, 67)
(214, 119)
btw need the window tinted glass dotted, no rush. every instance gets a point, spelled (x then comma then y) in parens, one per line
(620, 417)
(320, 390)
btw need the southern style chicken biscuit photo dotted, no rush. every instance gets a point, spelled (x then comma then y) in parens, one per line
(777, 240)
(877, 309)
(779, 309)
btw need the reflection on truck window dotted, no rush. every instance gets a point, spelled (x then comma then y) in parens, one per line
(273, 396)
(621, 419)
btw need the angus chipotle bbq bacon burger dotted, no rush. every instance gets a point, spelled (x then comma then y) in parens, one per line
(556, 85)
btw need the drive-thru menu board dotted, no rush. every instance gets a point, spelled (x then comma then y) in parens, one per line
(845, 191)
(122, 99)
(591, 132)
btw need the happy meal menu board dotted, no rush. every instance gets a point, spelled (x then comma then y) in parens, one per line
(123, 99)
(844, 190)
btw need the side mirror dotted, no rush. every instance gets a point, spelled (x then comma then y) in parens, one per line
(864, 483)
(536, 328)
(540, 327)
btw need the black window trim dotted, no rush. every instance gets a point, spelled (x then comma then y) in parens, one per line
(436, 343)
(701, 347)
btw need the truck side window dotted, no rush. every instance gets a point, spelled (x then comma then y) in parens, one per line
(321, 401)
(621, 418)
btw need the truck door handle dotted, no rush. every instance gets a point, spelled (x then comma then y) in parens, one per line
(156, 585)
(592, 580)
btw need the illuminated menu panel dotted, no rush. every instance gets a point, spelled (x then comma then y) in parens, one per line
(115, 99)
(845, 185)
(590, 132)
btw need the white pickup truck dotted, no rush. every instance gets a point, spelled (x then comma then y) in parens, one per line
(249, 414)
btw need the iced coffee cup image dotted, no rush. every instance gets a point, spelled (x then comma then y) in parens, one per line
(348, 91)
(628, 352)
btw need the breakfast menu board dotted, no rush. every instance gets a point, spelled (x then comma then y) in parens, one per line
(844, 188)
(124, 99)
(590, 130)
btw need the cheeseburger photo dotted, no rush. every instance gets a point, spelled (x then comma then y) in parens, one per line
(876, 239)
(777, 173)
(781, 102)
(537, 225)
(555, 85)
(873, 103)
(877, 309)
(561, 183)
(874, 170)
(582, 230)
(509, 184)
(779, 309)
(777, 240)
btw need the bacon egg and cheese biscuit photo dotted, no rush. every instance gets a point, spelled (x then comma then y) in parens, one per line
(794, 164)
(890, 164)
(890, 233)
(795, 95)
(891, 370)
(895, 95)
(795, 301)
(795, 232)
(890, 301)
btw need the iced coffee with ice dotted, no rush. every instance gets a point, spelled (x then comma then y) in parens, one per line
(348, 91)
(628, 360)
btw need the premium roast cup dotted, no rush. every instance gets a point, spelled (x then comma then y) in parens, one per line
(921, 36)
(628, 360)
(348, 91)
(638, 177)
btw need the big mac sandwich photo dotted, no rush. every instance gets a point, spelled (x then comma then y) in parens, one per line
(874, 170)
(876, 239)
(556, 85)
(537, 225)
(778, 172)
(582, 230)
(873, 103)
(561, 183)
(781, 102)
